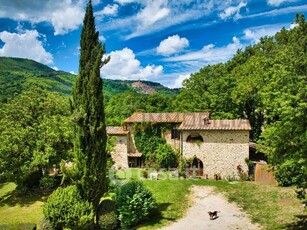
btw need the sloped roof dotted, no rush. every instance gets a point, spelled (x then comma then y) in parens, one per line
(116, 130)
(190, 121)
(163, 117)
(136, 154)
(216, 125)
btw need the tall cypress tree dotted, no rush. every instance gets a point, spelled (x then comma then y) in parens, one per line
(88, 114)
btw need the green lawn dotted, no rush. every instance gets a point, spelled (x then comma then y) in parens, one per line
(19, 211)
(272, 207)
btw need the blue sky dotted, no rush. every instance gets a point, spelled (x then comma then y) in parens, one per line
(156, 40)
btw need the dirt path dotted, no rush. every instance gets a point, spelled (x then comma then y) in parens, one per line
(204, 200)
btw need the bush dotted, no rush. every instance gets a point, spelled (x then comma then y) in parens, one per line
(44, 224)
(166, 156)
(134, 203)
(107, 215)
(66, 208)
(30, 180)
(48, 182)
(291, 172)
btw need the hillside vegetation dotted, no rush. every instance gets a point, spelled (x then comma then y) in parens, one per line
(18, 75)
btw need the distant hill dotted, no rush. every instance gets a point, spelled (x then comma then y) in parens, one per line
(18, 74)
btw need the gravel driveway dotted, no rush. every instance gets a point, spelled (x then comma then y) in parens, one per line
(204, 200)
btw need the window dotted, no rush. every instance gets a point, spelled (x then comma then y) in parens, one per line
(195, 137)
(175, 134)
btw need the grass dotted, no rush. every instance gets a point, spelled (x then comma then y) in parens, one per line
(272, 207)
(19, 211)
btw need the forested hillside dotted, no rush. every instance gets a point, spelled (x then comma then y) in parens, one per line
(18, 75)
(122, 98)
(266, 83)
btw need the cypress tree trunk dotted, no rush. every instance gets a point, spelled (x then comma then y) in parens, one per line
(88, 114)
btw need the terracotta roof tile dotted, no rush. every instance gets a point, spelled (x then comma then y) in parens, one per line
(190, 121)
(116, 130)
(137, 154)
(163, 117)
(215, 125)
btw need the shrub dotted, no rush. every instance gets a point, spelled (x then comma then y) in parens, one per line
(30, 180)
(66, 208)
(44, 224)
(48, 182)
(145, 173)
(166, 156)
(291, 172)
(182, 168)
(107, 215)
(134, 203)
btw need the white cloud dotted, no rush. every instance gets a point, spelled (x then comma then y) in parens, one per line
(72, 72)
(210, 54)
(255, 33)
(123, 65)
(154, 11)
(279, 2)
(156, 15)
(171, 45)
(293, 25)
(66, 19)
(232, 11)
(102, 38)
(96, 2)
(25, 45)
(276, 12)
(179, 80)
(110, 10)
(55, 68)
(122, 2)
(63, 15)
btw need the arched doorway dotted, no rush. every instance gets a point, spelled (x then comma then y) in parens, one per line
(196, 168)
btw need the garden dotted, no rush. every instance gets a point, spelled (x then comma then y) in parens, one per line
(270, 206)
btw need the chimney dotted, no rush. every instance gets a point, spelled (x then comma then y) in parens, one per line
(206, 121)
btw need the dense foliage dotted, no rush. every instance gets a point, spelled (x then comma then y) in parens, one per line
(107, 215)
(18, 75)
(44, 224)
(88, 114)
(134, 203)
(166, 156)
(123, 105)
(267, 84)
(35, 135)
(65, 208)
(147, 138)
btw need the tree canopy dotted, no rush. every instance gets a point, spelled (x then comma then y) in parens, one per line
(35, 135)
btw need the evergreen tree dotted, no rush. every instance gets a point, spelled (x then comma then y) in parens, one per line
(88, 114)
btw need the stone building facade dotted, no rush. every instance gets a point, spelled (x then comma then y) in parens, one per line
(217, 147)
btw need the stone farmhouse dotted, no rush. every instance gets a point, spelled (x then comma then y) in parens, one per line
(217, 146)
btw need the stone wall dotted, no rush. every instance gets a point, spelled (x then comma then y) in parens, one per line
(131, 142)
(175, 143)
(221, 152)
(119, 155)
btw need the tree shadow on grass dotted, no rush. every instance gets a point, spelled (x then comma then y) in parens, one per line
(301, 223)
(23, 199)
(156, 217)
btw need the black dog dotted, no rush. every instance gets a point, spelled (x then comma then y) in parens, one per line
(213, 215)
